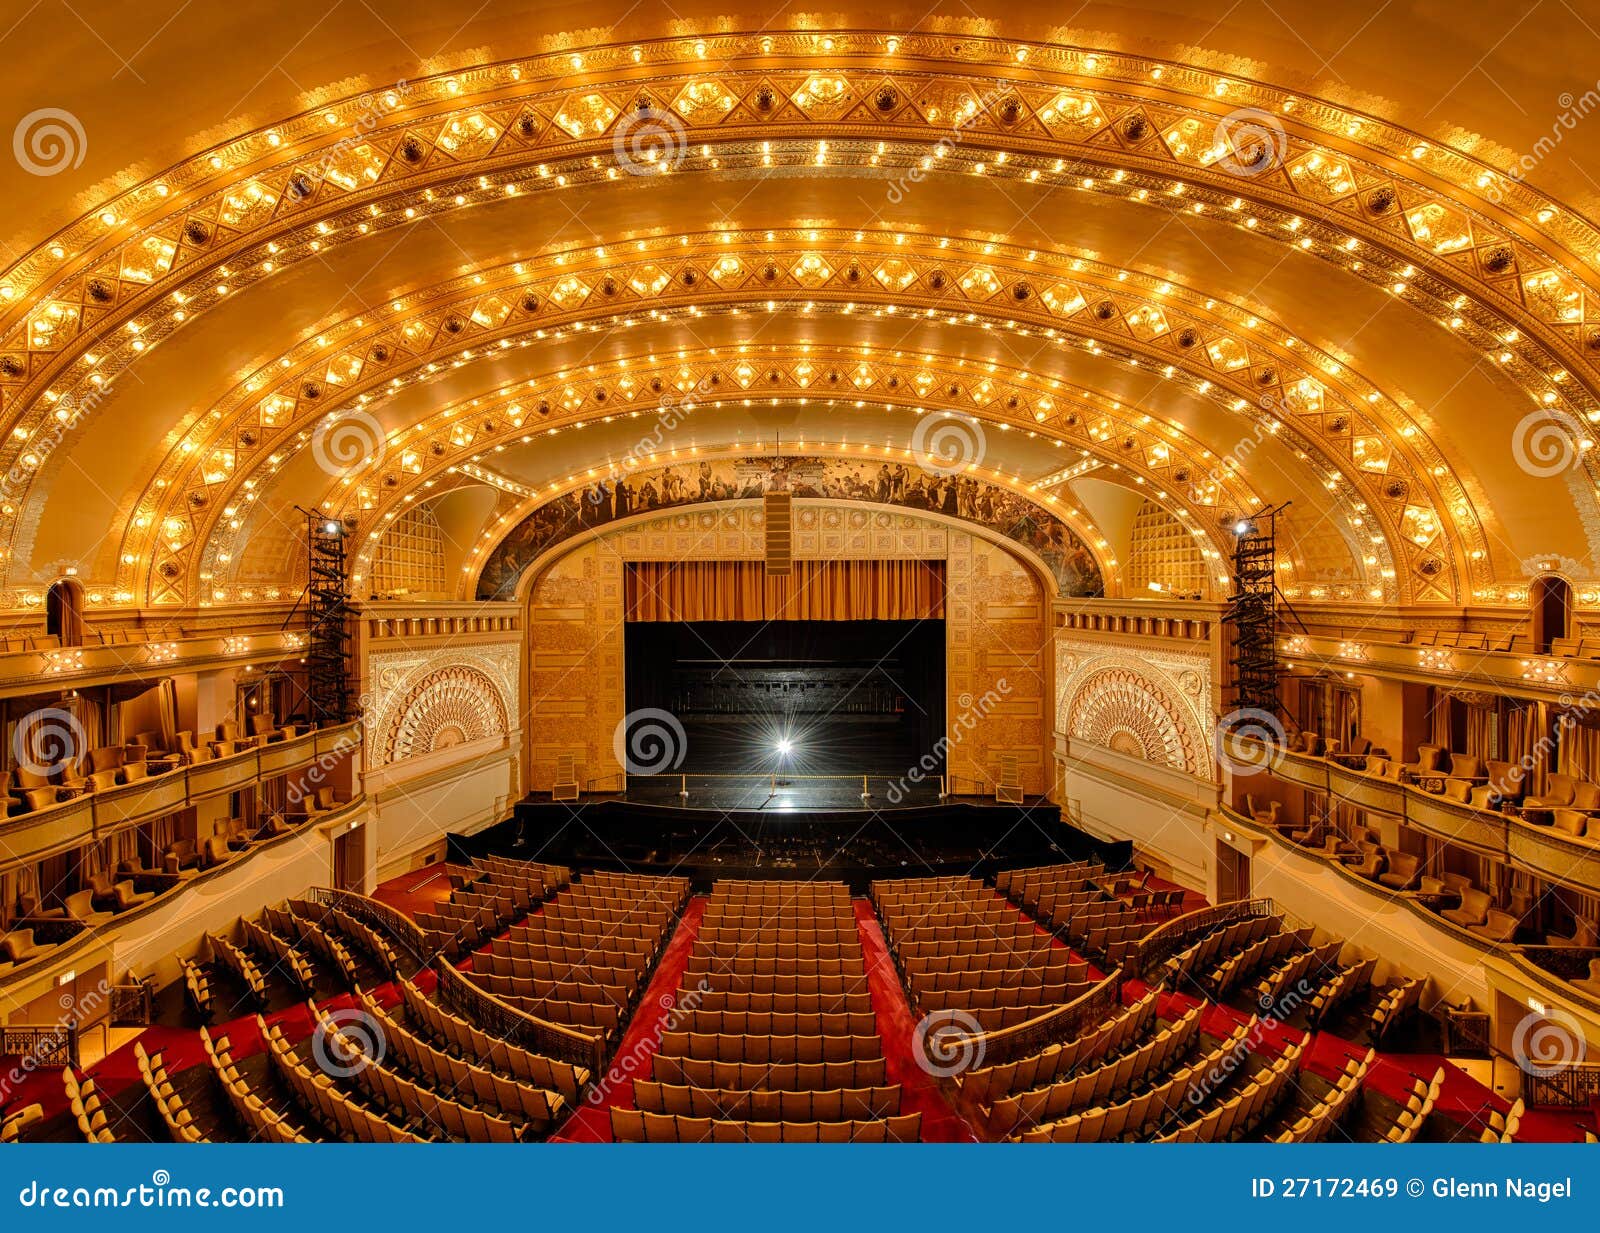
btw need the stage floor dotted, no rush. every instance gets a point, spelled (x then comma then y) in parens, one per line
(775, 794)
(852, 841)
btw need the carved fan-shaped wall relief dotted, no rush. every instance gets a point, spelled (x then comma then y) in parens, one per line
(453, 706)
(1125, 712)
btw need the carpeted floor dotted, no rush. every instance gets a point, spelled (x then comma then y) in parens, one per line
(897, 1028)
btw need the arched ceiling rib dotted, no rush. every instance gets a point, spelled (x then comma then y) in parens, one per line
(1272, 266)
(1217, 350)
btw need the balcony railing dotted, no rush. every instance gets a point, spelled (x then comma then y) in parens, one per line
(79, 667)
(68, 941)
(1541, 850)
(93, 816)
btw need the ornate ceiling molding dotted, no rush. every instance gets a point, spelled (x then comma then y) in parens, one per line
(1473, 248)
(1240, 360)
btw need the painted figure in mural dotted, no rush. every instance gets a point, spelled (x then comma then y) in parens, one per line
(958, 496)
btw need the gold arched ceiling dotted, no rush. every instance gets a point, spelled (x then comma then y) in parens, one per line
(1143, 266)
(1236, 360)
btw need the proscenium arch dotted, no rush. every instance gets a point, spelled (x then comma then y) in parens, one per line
(1036, 569)
(1110, 571)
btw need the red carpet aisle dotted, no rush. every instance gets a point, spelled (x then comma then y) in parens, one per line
(417, 891)
(896, 1026)
(591, 1122)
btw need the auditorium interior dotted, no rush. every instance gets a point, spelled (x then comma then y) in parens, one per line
(713, 573)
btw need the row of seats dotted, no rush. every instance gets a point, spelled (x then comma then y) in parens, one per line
(358, 932)
(1213, 947)
(763, 1105)
(1296, 979)
(1413, 1114)
(1343, 987)
(459, 1038)
(422, 1110)
(311, 936)
(1266, 952)
(760, 1073)
(1150, 1110)
(316, 1092)
(174, 1115)
(229, 956)
(284, 956)
(637, 1126)
(1317, 1123)
(88, 1110)
(770, 1076)
(261, 1123)
(1242, 1112)
(535, 1108)
(1101, 1085)
(594, 982)
(982, 1087)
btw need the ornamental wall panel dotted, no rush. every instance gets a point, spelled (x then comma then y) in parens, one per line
(423, 701)
(1145, 702)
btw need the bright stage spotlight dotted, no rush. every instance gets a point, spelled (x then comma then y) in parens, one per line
(783, 746)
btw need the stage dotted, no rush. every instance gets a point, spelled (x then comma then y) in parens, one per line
(850, 840)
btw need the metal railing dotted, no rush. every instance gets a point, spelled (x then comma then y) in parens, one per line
(45, 1044)
(1574, 1086)
(1062, 1023)
(133, 1004)
(1170, 937)
(518, 1027)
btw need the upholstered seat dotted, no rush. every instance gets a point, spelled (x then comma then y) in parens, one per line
(80, 907)
(126, 897)
(1474, 909)
(1558, 793)
(1498, 926)
(1403, 871)
(1430, 760)
(1370, 864)
(1585, 933)
(1569, 821)
(18, 946)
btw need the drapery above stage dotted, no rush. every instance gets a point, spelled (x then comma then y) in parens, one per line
(815, 591)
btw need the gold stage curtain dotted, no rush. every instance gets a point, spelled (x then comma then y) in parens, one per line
(816, 591)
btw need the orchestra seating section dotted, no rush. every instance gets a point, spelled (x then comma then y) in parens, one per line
(775, 1039)
(1078, 1006)
(584, 958)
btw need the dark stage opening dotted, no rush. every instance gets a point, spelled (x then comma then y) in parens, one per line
(794, 697)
